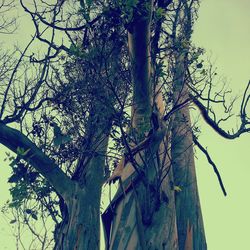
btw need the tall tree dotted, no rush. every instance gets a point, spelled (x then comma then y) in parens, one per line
(65, 114)
(149, 220)
(190, 226)
(152, 210)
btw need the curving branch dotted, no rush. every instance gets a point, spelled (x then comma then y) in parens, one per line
(14, 139)
(39, 33)
(214, 125)
(210, 161)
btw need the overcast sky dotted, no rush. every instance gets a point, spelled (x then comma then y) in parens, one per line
(223, 29)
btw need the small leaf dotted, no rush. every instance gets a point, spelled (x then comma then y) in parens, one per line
(34, 216)
(26, 152)
(89, 2)
(32, 176)
(57, 135)
(19, 150)
(28, 211)
(177, 189)
(62, 139)
(22, 151)
(159, 13)
(57, 130)
(13, 221)
(57, 141)
(199, 65)
(14, 178)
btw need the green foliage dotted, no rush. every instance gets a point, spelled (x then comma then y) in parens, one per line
(159, 13)
(75, 50)
(19, 194)
(126, 10)
(177, 189)
(26, 185)
(89, 2)
(59, 137)
(22, 152)
(130, 4)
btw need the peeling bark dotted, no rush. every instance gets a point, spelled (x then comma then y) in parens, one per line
(79, 229)
(129, 231)
(143, 216)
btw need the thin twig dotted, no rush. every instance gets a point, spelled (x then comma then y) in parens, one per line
(211, 162)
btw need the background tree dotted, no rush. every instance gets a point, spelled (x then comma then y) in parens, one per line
(82, 99)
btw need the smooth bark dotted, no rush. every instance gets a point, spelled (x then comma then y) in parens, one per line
(14, 139)
(80, 227)
(190, 226)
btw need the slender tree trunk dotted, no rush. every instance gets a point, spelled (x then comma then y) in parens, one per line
(80, 227)
(191, 233)
(190, 226)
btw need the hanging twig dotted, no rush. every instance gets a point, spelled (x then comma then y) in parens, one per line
(210, 162)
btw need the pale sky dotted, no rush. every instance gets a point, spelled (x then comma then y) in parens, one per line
(223, 28)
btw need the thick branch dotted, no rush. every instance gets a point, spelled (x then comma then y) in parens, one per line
(13, 139)
(214, 125)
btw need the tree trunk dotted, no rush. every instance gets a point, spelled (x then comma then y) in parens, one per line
(190, 226)
(142, 214)
(80, 227)
(191, 233)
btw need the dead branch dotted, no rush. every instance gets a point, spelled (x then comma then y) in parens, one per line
(211, 162)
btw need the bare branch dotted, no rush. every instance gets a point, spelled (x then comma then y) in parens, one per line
(212, 163)
(215, 126)
(13, 75)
